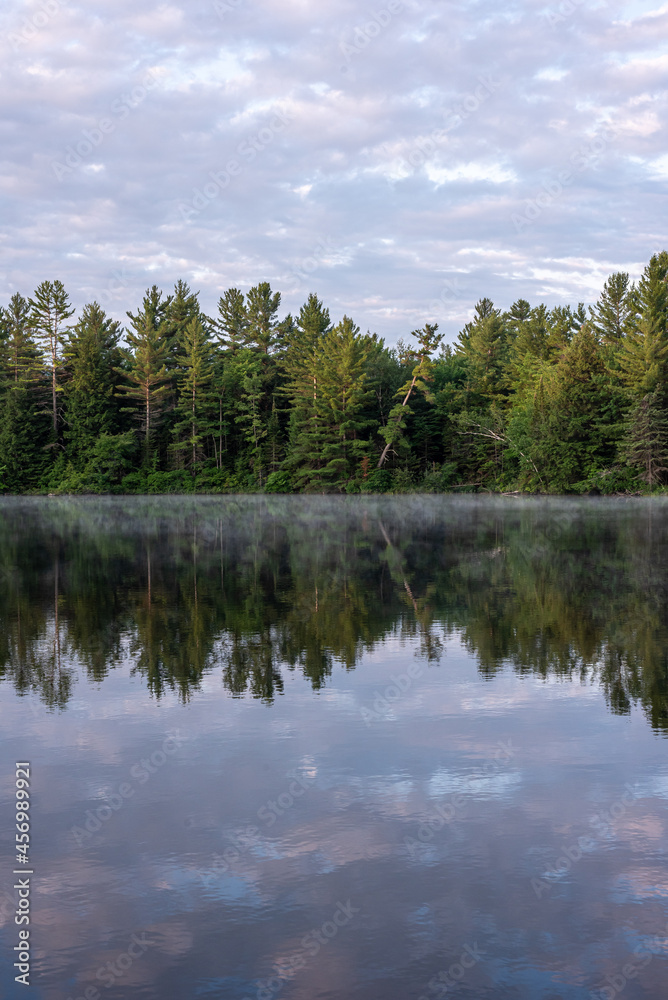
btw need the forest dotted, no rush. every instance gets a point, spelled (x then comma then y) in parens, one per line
(531, 399)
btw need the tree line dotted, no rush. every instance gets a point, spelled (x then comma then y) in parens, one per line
(528, 399)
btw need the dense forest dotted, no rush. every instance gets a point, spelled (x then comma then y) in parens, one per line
(530, 399)
(256, 588)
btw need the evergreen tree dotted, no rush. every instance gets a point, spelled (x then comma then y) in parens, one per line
(646, 444)
(232, 322)
(20, 357)
(145, 365)
(614, 313)
(193, 408)
(344, 395)
(24, 438)
(180, 309)
(651, 297)
(91, 357)
(643, 356)
(49, 311)
(428, 341)
(261, 308)
(251, 419)
(484, 342)
(303, 367)
(586, 414)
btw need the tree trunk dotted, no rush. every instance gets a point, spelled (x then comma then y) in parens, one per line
(389, 443)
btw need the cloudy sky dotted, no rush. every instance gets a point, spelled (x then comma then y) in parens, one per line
(402, 159)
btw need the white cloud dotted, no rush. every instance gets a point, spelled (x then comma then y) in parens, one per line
(529, 95)
(494, 173)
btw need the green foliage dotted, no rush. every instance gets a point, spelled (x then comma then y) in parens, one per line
(49, 311)
(144, 372)
(606, 482)
(91, 359)
(279, 482)
(194, 406)
(646, 444)
(530, 399)
(614, 314)
(231, 324)
(245, 593)
(24, 439)
(394, 431)
(378, 481)
(177, 481)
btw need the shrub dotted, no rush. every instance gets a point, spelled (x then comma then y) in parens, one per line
(279, 482)
(178, 481)
(378, 481)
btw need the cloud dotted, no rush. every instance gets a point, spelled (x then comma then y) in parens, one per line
(187, 89)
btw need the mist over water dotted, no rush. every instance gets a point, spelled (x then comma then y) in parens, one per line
(367, 744)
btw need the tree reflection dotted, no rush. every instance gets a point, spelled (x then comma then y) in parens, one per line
(251, 587)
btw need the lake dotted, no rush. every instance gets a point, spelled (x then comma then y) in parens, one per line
(353, 748)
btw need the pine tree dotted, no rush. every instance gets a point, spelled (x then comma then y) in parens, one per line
(180, 308)
(428, 341)
(250, 419)
(91, 359)
(563, 325)
(485, 346)
(232, 322)
(303, 367)
(49, 311)
(614, 313)
(261, 309)
(145, 365)
(24, 423)
(19, 355)
(586, 413)
(651, 296)
(643, 357)
(646, 444)
(344, 396)
(194, 396)
(24, 438)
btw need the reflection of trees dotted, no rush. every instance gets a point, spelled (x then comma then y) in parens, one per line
(257, 585)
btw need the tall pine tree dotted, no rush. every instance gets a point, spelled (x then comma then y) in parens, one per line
(49, 311)
(144, 370)
(92, 357)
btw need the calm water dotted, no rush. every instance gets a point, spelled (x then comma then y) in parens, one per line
(364, 748)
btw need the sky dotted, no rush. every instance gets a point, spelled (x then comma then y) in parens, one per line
(402, 159)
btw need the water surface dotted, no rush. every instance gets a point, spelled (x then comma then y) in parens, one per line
(362, 748)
